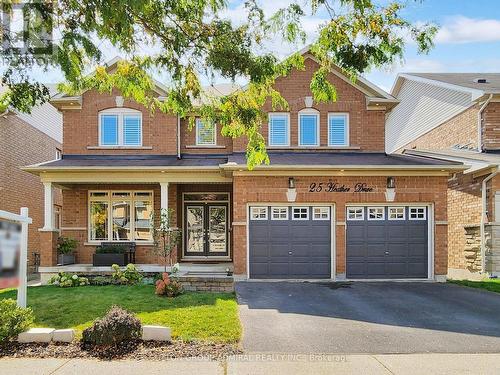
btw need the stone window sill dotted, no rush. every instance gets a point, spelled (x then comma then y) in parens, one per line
(205, 146)
(295, 148)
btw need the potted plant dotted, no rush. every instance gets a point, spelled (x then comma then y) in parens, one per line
(107, 255)
(65, 248)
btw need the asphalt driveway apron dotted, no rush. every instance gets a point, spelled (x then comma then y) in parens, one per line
(382, 317)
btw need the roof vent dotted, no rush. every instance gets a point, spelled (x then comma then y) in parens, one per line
(481, 80)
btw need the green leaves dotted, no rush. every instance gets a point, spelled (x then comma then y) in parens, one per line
(190, 41)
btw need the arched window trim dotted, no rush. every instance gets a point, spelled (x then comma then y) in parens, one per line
(121, 115)
(309, 111)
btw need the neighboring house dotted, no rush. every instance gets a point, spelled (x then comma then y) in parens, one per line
(331, 205)
(28, 139)
(456, 117)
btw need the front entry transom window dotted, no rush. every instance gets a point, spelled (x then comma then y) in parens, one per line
(120, 215)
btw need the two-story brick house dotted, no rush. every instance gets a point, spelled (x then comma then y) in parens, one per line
(456, 117)
(331, 204)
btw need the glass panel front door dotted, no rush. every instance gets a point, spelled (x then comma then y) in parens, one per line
(206, 231)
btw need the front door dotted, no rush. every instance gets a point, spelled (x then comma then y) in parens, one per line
(206, 230)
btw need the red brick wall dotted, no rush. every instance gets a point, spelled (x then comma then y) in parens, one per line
(80, 127)
(273, 189)
(20, 145)
(366, 128)
(491, 126)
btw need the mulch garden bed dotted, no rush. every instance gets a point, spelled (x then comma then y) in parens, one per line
(137, 350)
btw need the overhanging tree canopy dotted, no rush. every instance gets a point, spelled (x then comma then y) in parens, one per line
(190, 39)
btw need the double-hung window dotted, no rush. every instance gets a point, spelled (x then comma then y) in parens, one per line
(338, 129)
(279, 129)
(120, 215)
(120, 127)
(205, 133)
(309, 128)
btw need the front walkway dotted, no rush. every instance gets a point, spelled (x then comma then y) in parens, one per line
(371, 318)
(412, 364)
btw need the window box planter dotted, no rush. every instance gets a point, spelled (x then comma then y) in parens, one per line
(65, 259)
(108, 259)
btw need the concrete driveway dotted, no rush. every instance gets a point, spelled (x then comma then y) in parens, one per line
(301, 317)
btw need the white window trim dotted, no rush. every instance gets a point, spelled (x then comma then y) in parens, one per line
(279, 218)
(321, 218)
(395, 219)
(309, 111)
(109, 199)
(300, 218)
(356, 218)
(259, 208)
(418, 218)
(120, 112)
(287, 114)
(346, 139)
(197, 140)
(375, 219)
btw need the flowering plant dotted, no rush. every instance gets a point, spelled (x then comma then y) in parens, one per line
(129, 276)
(65, 280)
(168, 286)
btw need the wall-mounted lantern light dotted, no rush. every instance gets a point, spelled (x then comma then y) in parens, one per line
(291, 194)
(390, 191)
(308, 101)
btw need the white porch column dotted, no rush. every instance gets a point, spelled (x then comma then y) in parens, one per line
(48, 207)
(164, 195)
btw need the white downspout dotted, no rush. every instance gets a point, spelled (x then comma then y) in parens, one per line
(178, 137)
(480, 123)
(483, 218)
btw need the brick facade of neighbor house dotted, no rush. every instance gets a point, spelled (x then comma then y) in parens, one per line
(220, 170)
(459, 130)
(21, 144)
(491, 126)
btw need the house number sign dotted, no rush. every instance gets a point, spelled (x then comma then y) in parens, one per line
(334, 187)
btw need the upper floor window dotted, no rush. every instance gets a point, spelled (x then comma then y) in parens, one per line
(205, 133)
(279, 129)
(309, 127)
(338, 129)
(120, 127)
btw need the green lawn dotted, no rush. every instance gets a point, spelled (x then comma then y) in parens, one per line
(192, 316)
(493, 285)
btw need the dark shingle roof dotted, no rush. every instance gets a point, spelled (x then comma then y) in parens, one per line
(466, 80)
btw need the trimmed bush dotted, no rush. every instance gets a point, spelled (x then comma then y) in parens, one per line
(13, 319)
(65, 280)
(129, 276)
(116, 326)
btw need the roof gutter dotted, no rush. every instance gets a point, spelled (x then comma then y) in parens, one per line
(480, 123)
(484, 218)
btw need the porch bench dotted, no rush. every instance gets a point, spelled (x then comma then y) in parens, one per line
(130, 246)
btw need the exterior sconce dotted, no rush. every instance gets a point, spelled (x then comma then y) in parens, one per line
(291, 194)
(119, 101)
(308, 101)
(390, 191)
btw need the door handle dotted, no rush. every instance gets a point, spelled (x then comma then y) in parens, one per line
(386, 253)
(289, 253)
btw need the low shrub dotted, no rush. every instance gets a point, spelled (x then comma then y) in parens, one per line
(168, 286)
(129, 276)
(65, 280)
(13, 319)
(66, 245)
(100, 280)
(111, 249)
(116, 326)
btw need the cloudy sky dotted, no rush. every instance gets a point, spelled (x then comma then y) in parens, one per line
(468, 39)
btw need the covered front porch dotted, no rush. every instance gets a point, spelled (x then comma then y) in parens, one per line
(117, 205)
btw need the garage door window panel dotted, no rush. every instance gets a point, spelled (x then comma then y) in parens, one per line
(418, 213)
(376, 213)
(300, 213)
(397, 213)
(279, 213)
(258, 213)
(321, 213)
(355, 213)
